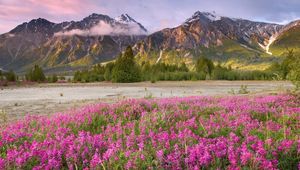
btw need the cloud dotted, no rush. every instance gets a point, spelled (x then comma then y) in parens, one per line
(103, 28)
(57, 10)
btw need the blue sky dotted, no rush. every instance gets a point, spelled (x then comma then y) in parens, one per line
(153, 14)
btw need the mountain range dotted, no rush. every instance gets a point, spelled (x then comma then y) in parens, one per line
(98, 38)
(95, 39)
(240, 43)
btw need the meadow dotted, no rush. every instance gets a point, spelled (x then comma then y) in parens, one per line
(233, 132)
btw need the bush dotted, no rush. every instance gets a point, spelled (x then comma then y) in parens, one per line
(87, 76)
(62, 78)
(244, 89)
(10, 76)
(53, 78)
(153, 79)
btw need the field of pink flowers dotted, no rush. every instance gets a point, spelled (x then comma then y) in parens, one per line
(258, 132)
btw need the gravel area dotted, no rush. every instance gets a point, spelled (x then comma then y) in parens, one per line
(45, 99)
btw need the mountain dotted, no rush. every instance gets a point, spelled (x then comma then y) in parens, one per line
(126, 19)
(287, 38)
(96, 38)
(241, 43)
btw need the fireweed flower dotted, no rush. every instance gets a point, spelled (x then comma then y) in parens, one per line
(285, 145)
(2, 163)
(174, 133)
(298, 147)
(245, 154)
(96, 160)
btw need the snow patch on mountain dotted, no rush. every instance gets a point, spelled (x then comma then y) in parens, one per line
(242, 45)
(271, 40)
(11, 35)
(159, 58)
(212, 16)
(262, 46)
(125, 18)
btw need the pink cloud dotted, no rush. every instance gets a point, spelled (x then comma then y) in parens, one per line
(20, 11)
(8, 12)
(60, 6)
(52, 9)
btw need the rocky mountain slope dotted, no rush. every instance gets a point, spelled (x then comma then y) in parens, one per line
(240, 43)
(287, 38)
(96, 38)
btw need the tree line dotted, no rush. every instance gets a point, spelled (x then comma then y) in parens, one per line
(35, 74)
(288, 69)
(126, 70)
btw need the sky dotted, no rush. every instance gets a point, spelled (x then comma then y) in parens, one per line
(153, 14)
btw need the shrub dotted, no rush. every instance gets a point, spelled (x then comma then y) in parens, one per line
(244, 89)
(10, 76)
(53, 78)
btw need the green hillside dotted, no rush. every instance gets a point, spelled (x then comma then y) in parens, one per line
(230, 53)
(290, 39)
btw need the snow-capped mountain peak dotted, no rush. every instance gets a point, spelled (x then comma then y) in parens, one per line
(125, 18)
(212, 16)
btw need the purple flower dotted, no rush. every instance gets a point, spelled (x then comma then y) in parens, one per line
(160, 154)
(285, 145)
(245, 154)
(96, 160)
(2, 163)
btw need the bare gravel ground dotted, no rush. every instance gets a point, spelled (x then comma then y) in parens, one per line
(45, 99)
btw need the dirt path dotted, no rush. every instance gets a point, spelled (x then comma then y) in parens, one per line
(50, 98)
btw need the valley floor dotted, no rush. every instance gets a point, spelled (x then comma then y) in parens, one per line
(43, 99)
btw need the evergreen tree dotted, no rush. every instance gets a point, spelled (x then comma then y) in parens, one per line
(292, 65)
(35, 74)
(53, 78)
(1, 75)
(204, 65)
(287, 63)
(183, 67)
(108, 71)
(126, 70)
(146, 67)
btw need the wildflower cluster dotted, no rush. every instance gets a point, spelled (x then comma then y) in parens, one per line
(239, 132)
